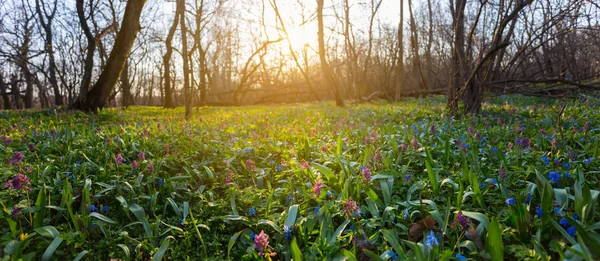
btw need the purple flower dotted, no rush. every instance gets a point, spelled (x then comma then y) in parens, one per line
(351, 208)
(15, 212)
(502, 173)
(150, 167)
(134, 164)
(18, 182)
(16, 159)
(141, 156)
(366, 172)
(317, 187)
(261, 242)
(462, 220)
(31, 147)
(119, 159)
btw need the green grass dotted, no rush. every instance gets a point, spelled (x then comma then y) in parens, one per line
(426, 185)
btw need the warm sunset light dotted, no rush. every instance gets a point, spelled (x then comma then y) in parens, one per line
(291, 130)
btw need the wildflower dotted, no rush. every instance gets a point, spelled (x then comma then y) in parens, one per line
(432, 129)
(462, 220)
(351, 208)
(141, 156)
(431, 240)
(150, 167)
(252, 212)
(289, 197)
(572, 231)
(134, 164)
(575, 217)
(528, 199)
(250, 166)
(460, 257)
(539, 211)
(288, 232)
(588, 161)
(119, 159)
(105, 208)
(261, 242)
(482, 185)
(554, 176)
(415, 143)
(586, 127)
(546, 161)
(15, 212)
(495, 181)
(495, 150)
(160, 182)
(393, 255)
(181, 221)
(31, 147)
(510, 201)
(405, 215)
(16, 159)
(93, 208)
(317, 208)
(366, 173)
(317, 187)
(329, 195)
(407, 178)
(557, 211)
(167, 148)
(18, 182)
(502, 173)
(279, 168)
(563, 222)
(567, 166)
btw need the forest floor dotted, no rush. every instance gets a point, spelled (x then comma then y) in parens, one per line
(376, 181)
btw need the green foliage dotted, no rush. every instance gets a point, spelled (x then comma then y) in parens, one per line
(426, 186)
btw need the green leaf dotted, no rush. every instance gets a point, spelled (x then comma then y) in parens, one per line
(349, 255)
(296, 253)
(47, 231)
(483, 219)
(138, 211)
(338, 231)
(38, 216)
(51, 248)
(174, 207)
(494, 241)
(103, 218)
(80, 255)
(292, 214)
(209, 173)
(269, 223)
(232, 242)
(162, 250)
(391, 238)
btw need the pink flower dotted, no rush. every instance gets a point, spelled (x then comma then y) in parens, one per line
(317, 187)
(351, 208)
(261, 242)
(134, 164)
(141, 156)
(18, 182)
(250, 166)
(366, 173)
(119, 159)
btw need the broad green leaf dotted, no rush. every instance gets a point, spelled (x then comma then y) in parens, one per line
(103, 218)
(494, 244)
(47, 231)
(51, 248)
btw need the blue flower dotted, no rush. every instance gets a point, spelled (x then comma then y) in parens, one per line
(288, 232)
(392, 255)
(495, 150)
(539, 211)
(554, 176)
(289, 197)
(575, 216)
(482, 185)
(105, 208)
(317, 208)
(407, 178)
(351, 228)
(572, 231)
(406, 215)
(557, 211)
(431, 240)
(160, 182)
(93, 208)
(528, 199)
(510, 201)
(567, 166)
(461, 257)
(495, 181)
(588, 161)
(568, 175)
(328, 194)
(279, 168)
(253, 236)
(252, 212)
(563, 222)
(546, 161)
(181, 221)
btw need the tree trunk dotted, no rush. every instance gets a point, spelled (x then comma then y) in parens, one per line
(168, 99)
(89, 56)
(327, 72)
(187, 92)
(46, 24)
(127, 98)
(400, 67)
(97, 97)
(5, 99)
(415, 46)
(16, 93)
(458, 54)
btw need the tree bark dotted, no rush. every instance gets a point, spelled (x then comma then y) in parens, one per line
(327, 72)
(89, 56)
(47, 27)
(458, 54)
(97, 97)
(400, 66)
(127, 98)
(187, 92)
(168, 93)
(5, 99)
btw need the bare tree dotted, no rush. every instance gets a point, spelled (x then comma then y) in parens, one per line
(327, 72)
(45, 19)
